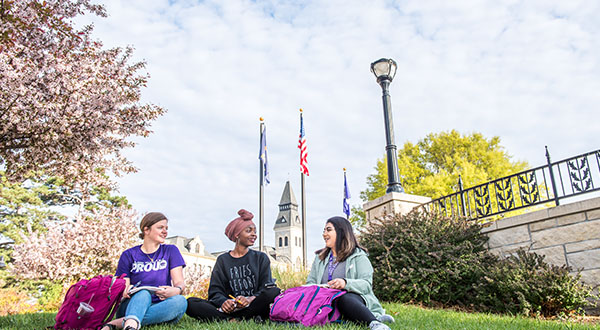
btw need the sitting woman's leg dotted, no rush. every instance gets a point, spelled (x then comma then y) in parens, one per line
(353, 308)
(204, 310)
(134, 309)
(260, 305)
(169, 310)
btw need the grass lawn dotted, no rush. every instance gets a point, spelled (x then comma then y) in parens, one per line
(407, 317)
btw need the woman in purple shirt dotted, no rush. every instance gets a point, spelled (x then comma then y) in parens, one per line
(152, 264)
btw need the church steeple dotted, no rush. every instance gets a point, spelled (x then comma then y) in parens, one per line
(288, 209)
(288, 229)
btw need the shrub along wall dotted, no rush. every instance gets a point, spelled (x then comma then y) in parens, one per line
(432, 260)
(567, 235)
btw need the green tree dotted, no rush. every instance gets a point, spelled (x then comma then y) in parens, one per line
(358, 218)
(22, 208)
(25, 207)
(431, 166)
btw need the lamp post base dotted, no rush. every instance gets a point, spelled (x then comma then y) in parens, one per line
(394, 187)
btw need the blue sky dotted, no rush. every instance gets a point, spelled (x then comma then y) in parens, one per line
(526, 71)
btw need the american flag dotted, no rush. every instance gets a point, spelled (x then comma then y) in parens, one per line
(302, 147)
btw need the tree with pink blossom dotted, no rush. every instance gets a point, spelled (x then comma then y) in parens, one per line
(68, 107)
(70, 250)
(196, 281)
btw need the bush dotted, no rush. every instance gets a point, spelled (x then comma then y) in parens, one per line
(431, 259)
(426, 258)
(289, 278)
(45, 295)
(13, 301)
(49, 295)
(196, 284)
(525, 284)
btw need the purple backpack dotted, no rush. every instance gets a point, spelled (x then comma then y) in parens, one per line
(90, 303)
(309, 305)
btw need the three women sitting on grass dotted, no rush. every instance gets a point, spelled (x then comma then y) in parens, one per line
(241, 285)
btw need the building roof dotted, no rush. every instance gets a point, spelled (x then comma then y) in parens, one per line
(183, 243)
(288, 197)
(288, 209)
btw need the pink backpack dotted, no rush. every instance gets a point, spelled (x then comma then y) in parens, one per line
(309, 305)
(90, 303)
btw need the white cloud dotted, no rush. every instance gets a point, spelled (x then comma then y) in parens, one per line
(525, 71)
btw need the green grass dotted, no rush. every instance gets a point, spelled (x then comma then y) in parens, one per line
(407, 317)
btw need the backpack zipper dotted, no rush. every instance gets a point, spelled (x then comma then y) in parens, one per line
(114, 279)
(298, 302)
(311, 299)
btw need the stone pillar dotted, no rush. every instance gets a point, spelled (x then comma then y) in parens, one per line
(392, 203)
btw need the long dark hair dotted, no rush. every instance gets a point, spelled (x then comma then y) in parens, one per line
(345, 241)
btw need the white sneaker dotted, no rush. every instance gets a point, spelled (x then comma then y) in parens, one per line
(376, 325)
(386, 319)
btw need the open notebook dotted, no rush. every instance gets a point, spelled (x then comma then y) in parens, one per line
(145, 287)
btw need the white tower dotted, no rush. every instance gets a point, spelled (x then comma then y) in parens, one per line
(288, 229)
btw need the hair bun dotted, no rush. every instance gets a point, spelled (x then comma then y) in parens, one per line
(245, 215)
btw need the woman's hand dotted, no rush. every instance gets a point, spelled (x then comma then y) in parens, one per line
(128, 287)
(242, 301)
(167, 292)
(338, 283)
(228, 306)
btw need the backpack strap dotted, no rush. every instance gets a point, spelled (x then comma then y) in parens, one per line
(112, 282)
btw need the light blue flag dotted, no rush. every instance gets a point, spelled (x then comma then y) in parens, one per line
(263, 156)
(346, 197)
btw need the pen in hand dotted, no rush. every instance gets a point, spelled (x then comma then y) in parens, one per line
(136, 285)
(236, 300)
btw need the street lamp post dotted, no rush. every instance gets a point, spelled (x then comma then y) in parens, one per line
(385, 70)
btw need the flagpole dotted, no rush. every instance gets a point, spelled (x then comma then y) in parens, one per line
(303, 220)
(261, 194)
(303, 193)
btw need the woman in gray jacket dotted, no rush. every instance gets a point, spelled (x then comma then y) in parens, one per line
(343, 264)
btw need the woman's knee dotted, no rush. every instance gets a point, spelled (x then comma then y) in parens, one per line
(350, 301)
(203, 310)
(196, 306)
(141, 295)
(179, 303)
(271, 293)
(138, 302)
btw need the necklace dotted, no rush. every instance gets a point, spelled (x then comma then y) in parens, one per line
(153, 254)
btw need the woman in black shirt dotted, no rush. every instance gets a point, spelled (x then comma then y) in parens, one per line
(243, 274)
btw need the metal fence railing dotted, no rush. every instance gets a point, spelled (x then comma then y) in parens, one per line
(549, 183)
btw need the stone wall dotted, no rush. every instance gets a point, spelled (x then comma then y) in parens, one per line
(566, 234)
(392, 203)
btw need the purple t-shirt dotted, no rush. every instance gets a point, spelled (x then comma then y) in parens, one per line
(150, 269)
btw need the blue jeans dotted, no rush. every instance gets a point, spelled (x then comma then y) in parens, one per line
(140, 308)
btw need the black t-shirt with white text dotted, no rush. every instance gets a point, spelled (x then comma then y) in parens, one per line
(245, 276)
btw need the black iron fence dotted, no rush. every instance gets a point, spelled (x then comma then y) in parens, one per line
(545, 184)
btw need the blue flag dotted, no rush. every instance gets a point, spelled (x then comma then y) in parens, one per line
(346, 197)
(263, 156)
